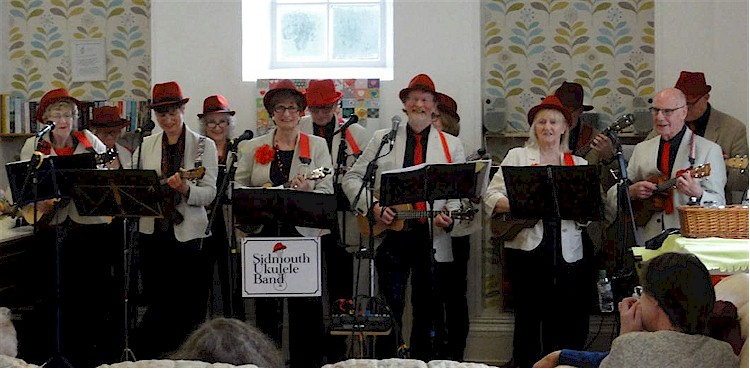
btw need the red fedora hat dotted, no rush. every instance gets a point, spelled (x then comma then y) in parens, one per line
(550, 102)
(419, 82)
(692, 84)
(50, 98)
(283, 85)
(322, 92)
(216, 104)
(571, 95)
(447, 105)
(107, 117)
(165, 94)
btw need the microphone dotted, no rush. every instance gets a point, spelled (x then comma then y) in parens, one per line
(352, 119)
(148, 126)
(247, 135)
(396, 120)
(50, 126)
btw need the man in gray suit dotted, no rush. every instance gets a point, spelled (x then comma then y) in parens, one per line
(707, 121)
(674, 149)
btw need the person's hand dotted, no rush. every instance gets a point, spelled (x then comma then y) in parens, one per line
(630, 315)
(641, 190)
(603, 145)
(113, 164)
(300, 183)
(549, 361)
(442, 220)
(689, 185)
(384, 214)
(178, 183)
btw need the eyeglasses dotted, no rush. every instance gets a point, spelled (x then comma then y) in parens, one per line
(321, 109)
(666, 112)
(61, 116)
(280, 109)
(222, 123)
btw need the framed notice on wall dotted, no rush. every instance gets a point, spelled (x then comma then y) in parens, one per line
(87, 60)
(281, 267)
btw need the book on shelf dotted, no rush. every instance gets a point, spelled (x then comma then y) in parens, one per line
(18, 115)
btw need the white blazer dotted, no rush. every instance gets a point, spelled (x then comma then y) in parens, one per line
(29, 146)
(642, 165)
(202, 191)
(395, 160)
(529, 238)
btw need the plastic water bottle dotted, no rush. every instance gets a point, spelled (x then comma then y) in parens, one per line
(604, 287)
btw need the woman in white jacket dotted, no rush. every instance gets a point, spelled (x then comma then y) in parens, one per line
(546, 277)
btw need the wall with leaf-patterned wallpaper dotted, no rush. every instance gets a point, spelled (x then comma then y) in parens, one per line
(40, 35)
(531, 47)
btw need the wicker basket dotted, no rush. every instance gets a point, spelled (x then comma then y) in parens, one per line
(728, 222)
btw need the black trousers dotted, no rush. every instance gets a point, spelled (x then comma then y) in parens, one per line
(404, 254)
(174, 276)
(89, 295)
(549, 302)
(452, 279)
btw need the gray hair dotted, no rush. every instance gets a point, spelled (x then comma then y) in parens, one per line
(564, 140)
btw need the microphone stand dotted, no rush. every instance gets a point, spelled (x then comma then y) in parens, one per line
(627, 231)
(340, 163)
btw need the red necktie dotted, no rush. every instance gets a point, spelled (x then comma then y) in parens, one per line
(321, 131)
(420, 206)
(664, 168)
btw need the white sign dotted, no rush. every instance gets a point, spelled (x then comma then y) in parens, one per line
(281, 267)
(87, 60)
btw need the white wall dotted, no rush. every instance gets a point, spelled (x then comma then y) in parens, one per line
(197, 43)
(709, 37)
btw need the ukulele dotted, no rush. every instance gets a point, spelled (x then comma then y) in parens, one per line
(404, 212)
(620, 124)
(168, 194)
(313, 175)
(189, 174)
(644, 209)
(737, 162)
(506, 228)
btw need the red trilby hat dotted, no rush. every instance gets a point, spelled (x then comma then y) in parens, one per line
(419, 82)
(50, 98)
(692, 84)
(216, 104)
(447, 105)
(284, 84)
(165, 94)
(107, 117)
(550, 102)
(322, 92)
(571, 95)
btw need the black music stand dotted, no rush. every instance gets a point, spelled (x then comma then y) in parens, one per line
(554, 193)
(126, 193)
(256, 206)
(430, 182)
(44, 178)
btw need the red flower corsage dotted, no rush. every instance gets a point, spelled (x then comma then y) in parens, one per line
(264, 154)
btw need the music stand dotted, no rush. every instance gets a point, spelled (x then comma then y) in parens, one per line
(44, 178)
(554, 193)
(126, 193)
(255, 206)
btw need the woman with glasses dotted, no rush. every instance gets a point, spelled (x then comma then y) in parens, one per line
(217, 122)
(283, 157)
(108, 126)
(83, 272)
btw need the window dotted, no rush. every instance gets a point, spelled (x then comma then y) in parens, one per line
(317, 39)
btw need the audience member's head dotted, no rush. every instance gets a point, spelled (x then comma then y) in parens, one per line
(231, 341)
(681, 287)
(8, 338)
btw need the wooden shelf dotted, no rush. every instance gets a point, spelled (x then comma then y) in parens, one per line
(11, 136)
